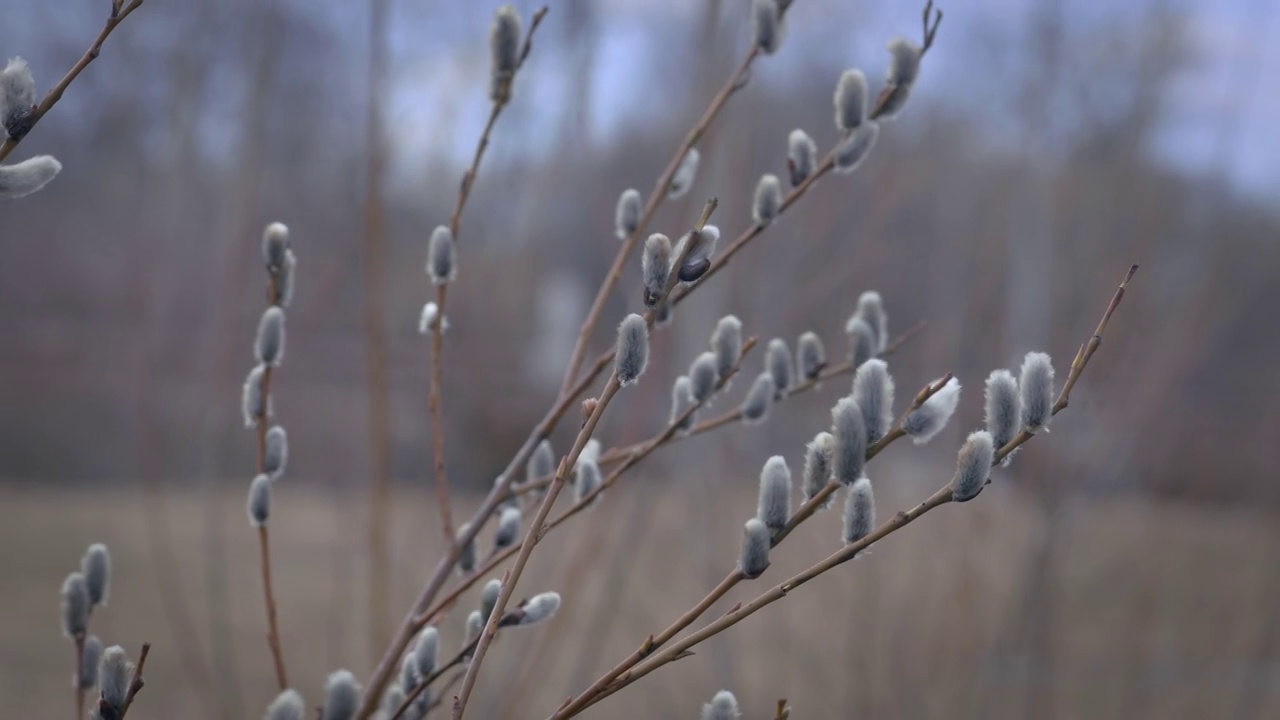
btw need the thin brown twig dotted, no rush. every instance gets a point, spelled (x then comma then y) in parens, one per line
(656, 197)
(79, 673)
(138, 681)
(118, 14)
(264, 544)
(901, 519)
(386, 664)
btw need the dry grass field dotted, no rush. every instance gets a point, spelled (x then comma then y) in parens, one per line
(990, 610)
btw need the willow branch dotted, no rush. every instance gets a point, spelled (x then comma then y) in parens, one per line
(117, 16)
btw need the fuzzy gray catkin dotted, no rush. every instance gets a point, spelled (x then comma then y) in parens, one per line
(288, 705)
(1036, 386)
(341, 696)
(859, 511)
(489, 598)
(114, 677)
(508, 527)
(802, 155)
(626, 217)
(703, 375)
(655, 266)
(926, 421)
(424, 653)
(539, 607)
(683, 179)
(773, 507)
(862, 340)
(504, 50)
(777, 360)
(724, 706)
(442, 257)
(590, 451)
(17, 97)
(726, 343)
(698, 260)
(854, 149)
(586, 480)
(285, 279)
(849, 430)
(755, 407)
(1003, 407)
(767, 202)
(681, 400)
(276, 456)
(275, 243)
(818, 457)
(873, 392)
(96, 567)
(427, 320)
(766, 26)
(632, 354)
(904, 68)
(90, 657)
(268, 346)
(391, 701)
(467, 553)
(754, 558)
(541, 463)
(259, 503)
(811, 356)
(871, 310)
(475, 625)
(851, 100)
(973, 465)
(75, 605)
(21, 179)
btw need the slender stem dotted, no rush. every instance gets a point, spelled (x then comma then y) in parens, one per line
(54, 95)
(437, 415)
(899, 520)
(138, 682)
(531, 538)
(656, 196)
(386, 665)
(273, 628)
(79, 673)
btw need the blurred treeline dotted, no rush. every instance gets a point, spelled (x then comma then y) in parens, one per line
(1002, 208)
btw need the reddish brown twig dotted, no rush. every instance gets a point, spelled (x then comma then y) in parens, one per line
(901, 519)
(138, 682)
(118, 14)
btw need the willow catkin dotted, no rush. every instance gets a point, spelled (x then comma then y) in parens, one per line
(285, 279)
(849, 430)
(114, 677)
(276, 456)
(259, 503)
(90, 657)
(17, 97)
(442, 257)
(766, 25)
(871, 310)
(873, 392)
(508, 530)
(684, 176)
(275, 243)
(703, 375)
(854, 149)
(777, 360)
(726, 343)
(698, 260)
(655, 267)
(96, 567)
(755, 407)
(926, 421)
(22, 179)
(475, 625)
(724, 706)
(541, 463)
(773, 507)
(268, 345)
(626, 216)
(538, 608)
(811, 356)
(632, 352)
(288, 705)
(767, 202)
(904, 68)
(1036, 387)
(754, 558)
(466, 553)
(862, 340)
(341, 696)
(1003, 409)
(802, 156)
(851, 100)
(75, 606)
(586, 480)
(504, 50)
(818, 458)
(859, 511)
(424, 653)
(973, 465)
(489, 598)
(681, 400)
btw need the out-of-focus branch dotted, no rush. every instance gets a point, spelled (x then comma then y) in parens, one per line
(118, 14)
